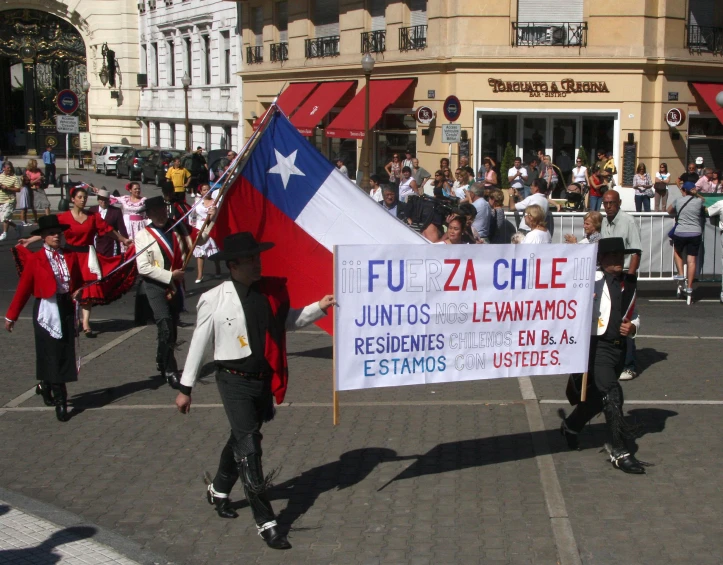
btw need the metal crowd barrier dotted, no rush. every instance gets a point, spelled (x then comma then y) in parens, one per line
(656, 262)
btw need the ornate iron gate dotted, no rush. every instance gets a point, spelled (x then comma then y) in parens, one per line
(52, 55)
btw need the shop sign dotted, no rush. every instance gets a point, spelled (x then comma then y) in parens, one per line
(675, 117)
(548, 89)
(451, 133)
(424, 115)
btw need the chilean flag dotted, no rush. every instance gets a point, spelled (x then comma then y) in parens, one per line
(290, 194)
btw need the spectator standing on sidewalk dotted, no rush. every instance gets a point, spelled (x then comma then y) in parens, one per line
(419, 174)
(407, 161)
(10, 185)
(705, 183)
(642, 185)
(180, 177)
(716, 209)
(481, 223)
(688, 211)
(621, 224)
(49, 162)
(37, 198)
(662, 180)
(690, 175)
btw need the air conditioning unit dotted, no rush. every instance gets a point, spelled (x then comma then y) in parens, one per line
(556, 35)
(142, 80)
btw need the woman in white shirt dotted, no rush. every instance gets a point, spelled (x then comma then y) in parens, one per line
(199, 215)
(535, 219)
(407, 185)
(662, 180)
(579, 173)
(376, 190)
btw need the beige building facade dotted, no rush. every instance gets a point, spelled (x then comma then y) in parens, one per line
(633, 77)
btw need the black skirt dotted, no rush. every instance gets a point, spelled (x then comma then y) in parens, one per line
(55, 358)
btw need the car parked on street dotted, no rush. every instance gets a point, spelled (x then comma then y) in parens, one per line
(154, 167)
(107, 157)
(131, 162)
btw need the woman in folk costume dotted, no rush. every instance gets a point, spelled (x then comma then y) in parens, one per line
(53, 275)
(133, 206)
(80, 236)
(160, 265)
(200, 213)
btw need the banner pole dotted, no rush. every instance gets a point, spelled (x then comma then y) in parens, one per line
(335, 394)
(583, 392)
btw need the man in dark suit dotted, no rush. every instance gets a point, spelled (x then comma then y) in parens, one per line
(104, 244)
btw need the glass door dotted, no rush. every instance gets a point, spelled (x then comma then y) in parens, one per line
(564, 146)
(534, 138)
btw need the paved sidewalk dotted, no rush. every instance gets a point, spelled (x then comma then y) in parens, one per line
(25, 538)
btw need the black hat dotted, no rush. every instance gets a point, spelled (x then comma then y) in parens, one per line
(613, 245)
(239, 245)
(155, 202)
(49, 223)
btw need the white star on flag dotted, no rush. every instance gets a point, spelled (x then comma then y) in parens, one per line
(285, 167)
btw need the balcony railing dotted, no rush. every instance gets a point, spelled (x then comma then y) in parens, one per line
(373, 41)
(704, 39)
(322, 47)
(255, 54)
(279, 52)
(412, 38)
(567, 34)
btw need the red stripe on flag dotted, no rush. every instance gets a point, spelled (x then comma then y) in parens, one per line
(306, 263)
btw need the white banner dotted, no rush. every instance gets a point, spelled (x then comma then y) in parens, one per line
(414, 314)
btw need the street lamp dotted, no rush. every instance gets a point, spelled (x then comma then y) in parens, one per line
(367, 64)
(719, 99)
(186, 81)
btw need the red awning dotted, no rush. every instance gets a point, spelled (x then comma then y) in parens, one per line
(382, 94)
(318, 105)
(708, 92)
(291, 98)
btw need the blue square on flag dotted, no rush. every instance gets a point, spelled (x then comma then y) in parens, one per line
(286, 168)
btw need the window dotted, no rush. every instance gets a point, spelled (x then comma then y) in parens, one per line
(377, 13)
(257, 25)
(227, 141)
(158, 134)
(171, 62)
(225, 57)
(418, 12)
(207, 138)
(549, 11)
(705, 31)
(702, 13)
(188, 57)
(326, 17)
(282, 20)
(144, 59)
(154, 54)
(549, 22)
(207, 58)
(172, 135)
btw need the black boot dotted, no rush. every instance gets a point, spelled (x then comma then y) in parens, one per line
(570, 436)
(43, 389)
(274, 538)
(60, 399)
(620, 431)
(223, 505)
(626, 462)
(255, 486)
(172, 379)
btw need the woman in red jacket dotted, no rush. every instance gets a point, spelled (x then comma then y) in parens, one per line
(54, 277)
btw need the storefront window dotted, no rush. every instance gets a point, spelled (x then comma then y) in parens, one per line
(534, 133)
(597, 135)
(497, 132)
(705, 126)
(564, 143)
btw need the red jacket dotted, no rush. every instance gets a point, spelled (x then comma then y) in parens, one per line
(37, 278)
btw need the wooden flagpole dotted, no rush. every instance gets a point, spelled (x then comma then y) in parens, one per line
(335, 394)
(239, 166)
(583, 391)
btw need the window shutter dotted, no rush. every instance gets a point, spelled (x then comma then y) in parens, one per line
(282, 20)
(326, 18)
(552, 11)
(702, 12)
(417, 12)
(377, 10)
(257, 25)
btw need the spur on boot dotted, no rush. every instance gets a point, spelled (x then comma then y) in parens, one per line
(44, 390)
(223, 505)
(273, 537)
(626, 462)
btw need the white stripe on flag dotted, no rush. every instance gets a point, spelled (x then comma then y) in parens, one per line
(342, 214)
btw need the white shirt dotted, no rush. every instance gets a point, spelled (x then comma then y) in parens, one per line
(538, 236)
(405, 190)
(60, 269)
(376, 194)
(717, 210)
(578, 174)
(537, 198)
(518, 182)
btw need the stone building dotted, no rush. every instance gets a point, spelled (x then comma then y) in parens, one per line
(196, 39)
(633, 77)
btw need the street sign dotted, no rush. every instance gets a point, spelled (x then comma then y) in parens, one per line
(451, 133)
(67, 101)
(85, 144)
(424, 115)
(675, 117)
(66, 124)
(452, 108)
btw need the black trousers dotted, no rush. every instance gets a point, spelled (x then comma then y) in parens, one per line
(50, 174)
(55, 361)
(165, 314)
(605, 364)
(247, 403)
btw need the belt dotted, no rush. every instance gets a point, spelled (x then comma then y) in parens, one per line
(257, 376)
(135, 217)
(617, 342)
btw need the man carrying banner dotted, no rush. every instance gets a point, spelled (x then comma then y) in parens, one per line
(614, 319)
(247, 319)
(160, 264)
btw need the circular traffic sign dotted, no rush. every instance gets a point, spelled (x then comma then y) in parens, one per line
(452, 108)
(424, 115)
(675, 117)
(67, 101)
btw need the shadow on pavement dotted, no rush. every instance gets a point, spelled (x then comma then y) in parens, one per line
(106, 326)
(104, 396)
(647, 356)
(318, 353)
(43, 554)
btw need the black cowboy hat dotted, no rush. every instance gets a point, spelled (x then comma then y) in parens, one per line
(239, 245)
(49, 223)
(613, 245)
(155, 202)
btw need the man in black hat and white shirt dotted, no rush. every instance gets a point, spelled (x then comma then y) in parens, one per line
(614, 320)
(246, 318)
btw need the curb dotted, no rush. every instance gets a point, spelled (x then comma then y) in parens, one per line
(65, 519)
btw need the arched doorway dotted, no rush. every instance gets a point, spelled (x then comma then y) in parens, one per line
(40, 55)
